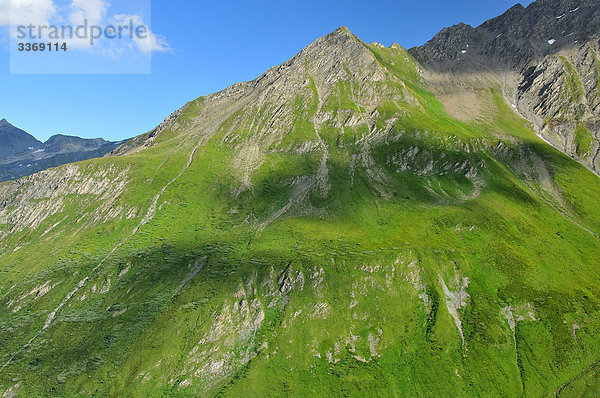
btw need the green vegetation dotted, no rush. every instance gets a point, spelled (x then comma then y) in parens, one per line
(343, 98)
(287, 288)
(572, 81)
(583, 140)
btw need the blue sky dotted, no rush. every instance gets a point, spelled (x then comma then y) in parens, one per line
(213, 45)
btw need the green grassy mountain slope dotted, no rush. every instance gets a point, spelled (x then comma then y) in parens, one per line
(327, 229)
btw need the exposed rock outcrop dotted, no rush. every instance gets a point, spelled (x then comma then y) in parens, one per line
(546, 58)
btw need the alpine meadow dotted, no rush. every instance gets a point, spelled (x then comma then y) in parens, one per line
(358, 221)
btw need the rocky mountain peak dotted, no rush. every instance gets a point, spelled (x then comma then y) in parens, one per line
(325, 55)
(61, 143)
(338, 67)
(546, 58)
(14, 140)
(341, 31)
(4, 124)
(512, 13)
(514, 39)
(340, 35)
(339, 46)
(58, 138)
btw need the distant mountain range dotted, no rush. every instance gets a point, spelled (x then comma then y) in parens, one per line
(21, 154)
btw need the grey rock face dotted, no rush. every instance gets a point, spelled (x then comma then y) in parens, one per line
(514, 39)
(28, 202)
(335, 65)
(561, 95)
(551, 49)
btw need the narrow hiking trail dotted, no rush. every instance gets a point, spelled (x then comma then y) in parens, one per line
(561, 388)
(207, 133)
(150, 213)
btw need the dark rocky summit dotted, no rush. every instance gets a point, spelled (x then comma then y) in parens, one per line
(14, 140)
(546, 58)
(514, 39)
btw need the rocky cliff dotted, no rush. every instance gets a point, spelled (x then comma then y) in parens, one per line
(546, 58)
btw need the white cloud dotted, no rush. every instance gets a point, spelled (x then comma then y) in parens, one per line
(92, 10)
(96, 12)
(25, 12)
(151, 42)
